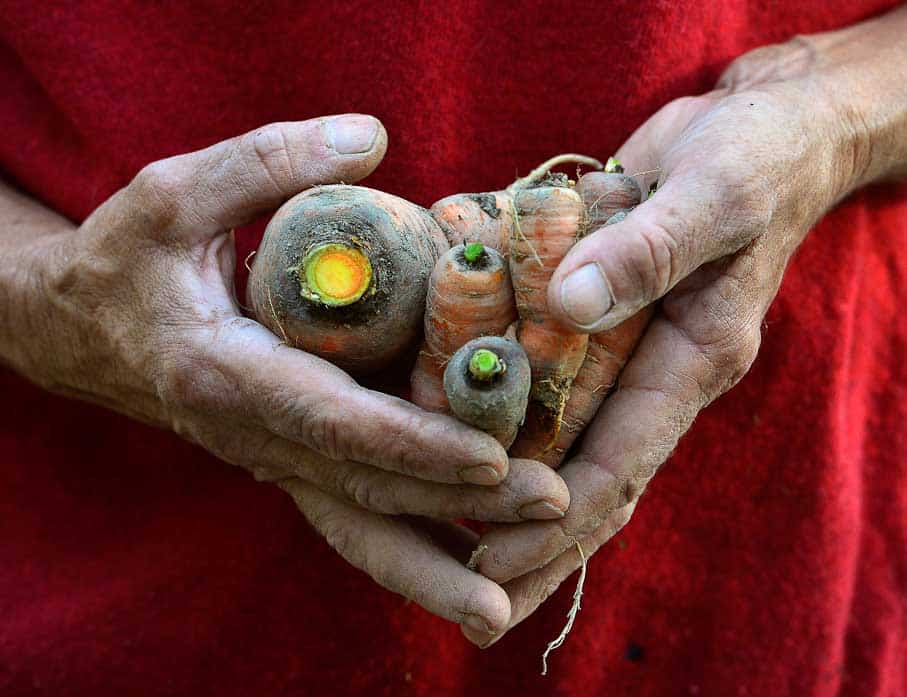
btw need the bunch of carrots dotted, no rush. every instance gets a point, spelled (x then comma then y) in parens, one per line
(353, 275)
(341, 262)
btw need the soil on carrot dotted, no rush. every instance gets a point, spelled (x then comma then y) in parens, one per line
(551, 179)
(484, 262)
(488, 204)
(352, 230)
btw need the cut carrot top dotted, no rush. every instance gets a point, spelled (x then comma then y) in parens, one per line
(485, 365)
(335, 274)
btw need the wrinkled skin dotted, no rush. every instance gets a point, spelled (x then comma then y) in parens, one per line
(744, 172)
(134, 310)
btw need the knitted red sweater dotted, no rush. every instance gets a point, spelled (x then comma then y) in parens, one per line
(769, 557)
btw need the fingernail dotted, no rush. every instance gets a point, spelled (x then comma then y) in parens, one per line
(477, 624)
(483, 474)
(585, 295)
(540, 510)
(352, 135)
(482, 639)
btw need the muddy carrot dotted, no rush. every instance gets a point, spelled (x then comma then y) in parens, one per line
(342, 272)
(549, 218)
(469, 295)
(487, 382)
(608, 351)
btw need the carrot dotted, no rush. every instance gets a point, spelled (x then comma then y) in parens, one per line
(554, 353)
(488, 217)
(606, 356)
(484, 218)
(487, 382)
(608, 197)
(605, 193)
(342, 272)
(469, 295)
(549, 219)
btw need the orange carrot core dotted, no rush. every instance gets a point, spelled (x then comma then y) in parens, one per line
(336, 274)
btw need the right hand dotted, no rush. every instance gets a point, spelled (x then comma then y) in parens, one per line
(135, 310)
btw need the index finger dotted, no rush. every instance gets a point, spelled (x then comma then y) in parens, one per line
(248, 371)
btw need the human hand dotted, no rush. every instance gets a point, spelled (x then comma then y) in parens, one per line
(135, 310)
(744, 172)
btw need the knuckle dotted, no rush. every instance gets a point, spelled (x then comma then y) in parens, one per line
(770, 63)
(659, 254)
(339, 534)
(188, 381)
(320, 426)
(394, 440)
(746, 208)
(158, 190)
(542, 585)
(730, 358)
(470, 507)
(269, 149)
(740, 356)
(654, 260)
(363, 489)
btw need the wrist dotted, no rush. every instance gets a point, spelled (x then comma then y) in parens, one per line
(860, 69)
(25, 339)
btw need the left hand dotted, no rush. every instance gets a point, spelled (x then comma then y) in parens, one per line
(744, 172)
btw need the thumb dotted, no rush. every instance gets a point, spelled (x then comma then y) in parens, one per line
(616, 271)
(232, 182)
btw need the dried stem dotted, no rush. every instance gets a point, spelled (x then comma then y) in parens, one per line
(571, 615)
(283, 331)
(548, 165)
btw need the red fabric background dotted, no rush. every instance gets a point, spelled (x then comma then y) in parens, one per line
(767, 558)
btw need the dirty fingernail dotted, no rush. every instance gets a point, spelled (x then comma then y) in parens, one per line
(585, 295)
(353, 135)
(477, 624)
(540, 510)
(482, 474)
(480, 638)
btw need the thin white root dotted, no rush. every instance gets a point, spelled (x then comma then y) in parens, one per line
(571, 615)
(519, 231)
(283, 331)
(475, 557)
(248, 258)
(548, 165)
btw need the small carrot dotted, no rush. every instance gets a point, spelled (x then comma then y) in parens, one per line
(605, 193)
(608, 351)
(549, 219)
(469, 295)
(487, 382)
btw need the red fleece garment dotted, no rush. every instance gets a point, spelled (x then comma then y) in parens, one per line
(768, 557)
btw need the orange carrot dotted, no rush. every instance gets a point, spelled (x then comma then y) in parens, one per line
(608, 196)
(469, 295)
(606, 356)
(484, 218)
(488, 217)
(549, 219)
(605, 193)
